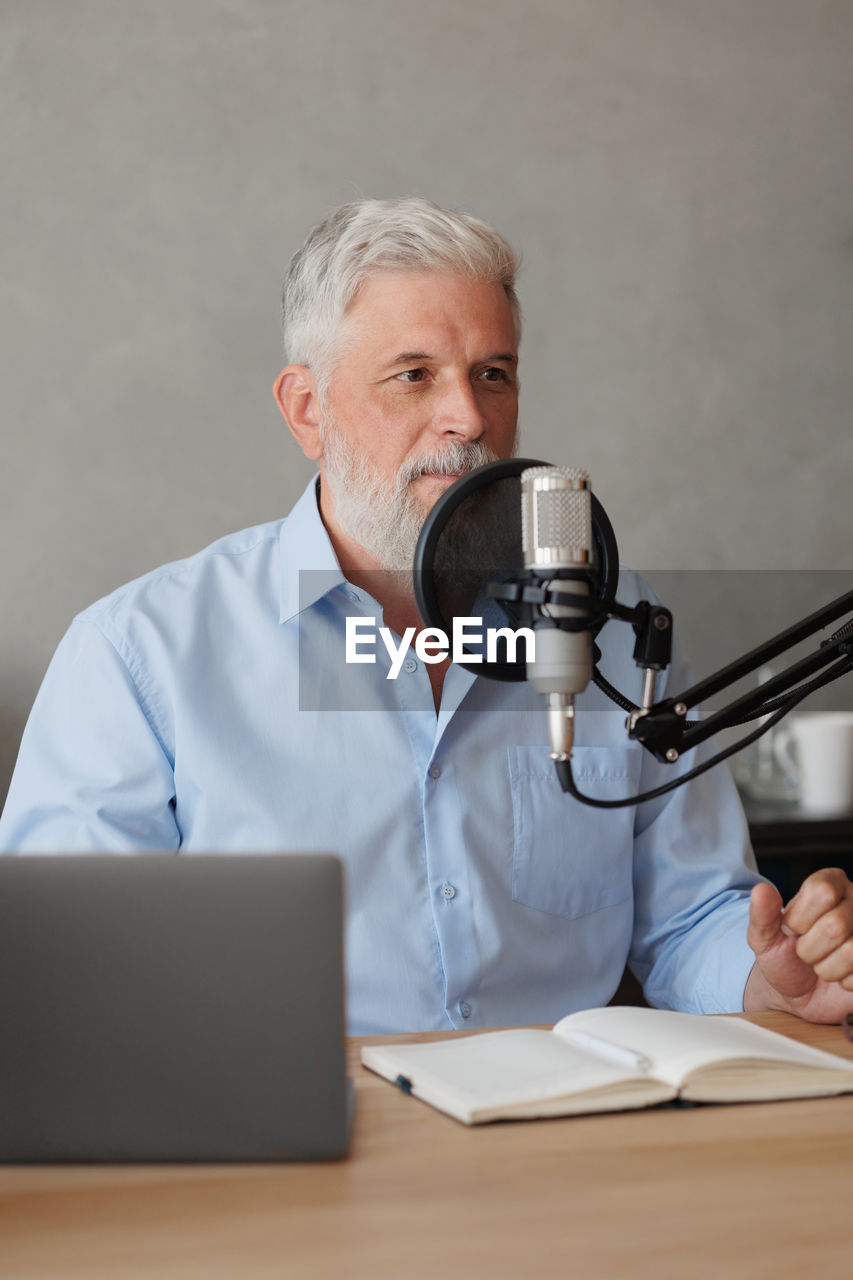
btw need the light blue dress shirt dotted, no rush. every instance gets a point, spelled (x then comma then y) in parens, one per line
(207, 707)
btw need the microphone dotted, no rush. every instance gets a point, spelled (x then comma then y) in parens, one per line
(557, 543)
(470, 550)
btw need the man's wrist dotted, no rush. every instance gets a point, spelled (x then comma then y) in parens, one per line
(758, 994)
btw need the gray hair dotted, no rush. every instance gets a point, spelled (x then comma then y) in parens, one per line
(366, 236)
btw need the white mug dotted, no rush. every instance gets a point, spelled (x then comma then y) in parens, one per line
(816, 747)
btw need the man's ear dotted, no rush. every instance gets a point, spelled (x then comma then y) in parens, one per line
(295, 391)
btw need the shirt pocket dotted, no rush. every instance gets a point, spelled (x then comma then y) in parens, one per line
(570, 859)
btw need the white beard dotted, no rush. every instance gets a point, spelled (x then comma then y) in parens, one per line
(387, 521)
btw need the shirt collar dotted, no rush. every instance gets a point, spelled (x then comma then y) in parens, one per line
(309, 568)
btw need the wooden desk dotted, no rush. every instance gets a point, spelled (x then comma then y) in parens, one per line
(742, 1191)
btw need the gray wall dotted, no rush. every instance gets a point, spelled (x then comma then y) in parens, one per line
(677, 174)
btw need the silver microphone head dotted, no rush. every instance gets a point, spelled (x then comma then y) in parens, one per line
(556, 533)
(556, 517)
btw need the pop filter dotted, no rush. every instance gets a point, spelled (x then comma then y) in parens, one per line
(472, 537)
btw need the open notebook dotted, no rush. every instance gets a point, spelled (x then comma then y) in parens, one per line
(608, 1060)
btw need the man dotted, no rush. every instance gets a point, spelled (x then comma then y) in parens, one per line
(207, 706)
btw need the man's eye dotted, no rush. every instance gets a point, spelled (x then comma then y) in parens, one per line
(494, 374)
(412, 375)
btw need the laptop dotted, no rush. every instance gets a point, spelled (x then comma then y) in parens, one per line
(172, 1008)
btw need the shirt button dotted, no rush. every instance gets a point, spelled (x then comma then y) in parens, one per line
(448, 891)
(435, 771)
(465, 1009)
(410, 664)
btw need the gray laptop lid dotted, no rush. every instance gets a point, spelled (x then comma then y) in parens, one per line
(171, 1007)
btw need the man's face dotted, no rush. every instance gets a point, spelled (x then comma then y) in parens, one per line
(428, 365)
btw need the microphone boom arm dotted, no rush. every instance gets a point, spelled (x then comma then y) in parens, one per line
(663, 728)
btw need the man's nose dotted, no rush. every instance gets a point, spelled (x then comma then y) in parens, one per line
(460, 413)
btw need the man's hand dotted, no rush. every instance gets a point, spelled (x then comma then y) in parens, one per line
(804, 955)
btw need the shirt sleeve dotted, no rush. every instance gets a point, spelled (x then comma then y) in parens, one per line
(93, 774)
(692, 880)
(693, 872)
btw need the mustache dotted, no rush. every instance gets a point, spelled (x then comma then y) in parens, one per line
(452, 459)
